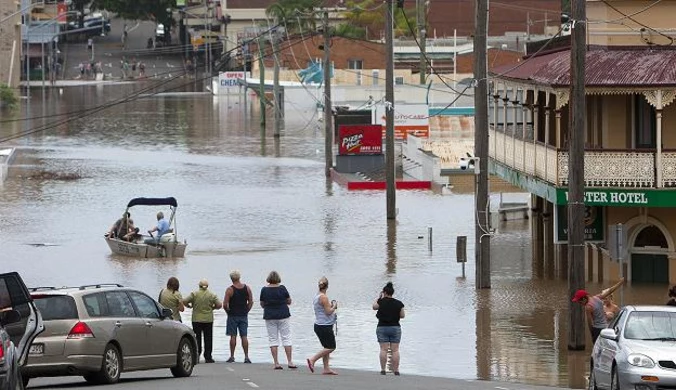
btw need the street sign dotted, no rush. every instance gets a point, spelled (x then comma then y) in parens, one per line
(617, 242)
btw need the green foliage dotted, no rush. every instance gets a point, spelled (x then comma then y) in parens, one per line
(155, 10)
(348, 30)
(369, 16)
(7, 96)
(295, 15)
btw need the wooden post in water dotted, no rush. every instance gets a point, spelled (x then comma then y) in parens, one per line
(261, 87)
(576, 255)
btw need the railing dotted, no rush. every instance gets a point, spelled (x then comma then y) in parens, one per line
(603, 168)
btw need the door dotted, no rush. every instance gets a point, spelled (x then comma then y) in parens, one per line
(128, 329)
(649, 268)
(15, 296)
(161, 334)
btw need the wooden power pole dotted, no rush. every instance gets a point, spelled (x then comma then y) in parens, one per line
(261, 87)
(389, 115)
(279, 99)
(422, 36)
(328, 118)
(482, 233)
(576, 274)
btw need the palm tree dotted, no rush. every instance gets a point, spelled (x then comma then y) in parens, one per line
(295, 15)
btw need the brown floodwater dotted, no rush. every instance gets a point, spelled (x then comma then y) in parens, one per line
(257, 207)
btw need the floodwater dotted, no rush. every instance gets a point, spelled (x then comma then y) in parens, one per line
(261, 207)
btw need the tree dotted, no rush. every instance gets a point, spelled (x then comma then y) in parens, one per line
(295, 15)
(156, 10)
(368, 17)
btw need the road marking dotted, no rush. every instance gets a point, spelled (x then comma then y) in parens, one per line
(501, 388)
(230, 369)
(251, 384)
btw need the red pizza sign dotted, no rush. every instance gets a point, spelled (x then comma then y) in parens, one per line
(360, 139)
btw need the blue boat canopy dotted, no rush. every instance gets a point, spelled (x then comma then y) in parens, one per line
(171, 201)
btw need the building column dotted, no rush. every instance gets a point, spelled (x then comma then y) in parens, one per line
(537, 235)
(548, 239)
(524, 109)
(515, 108)
(496, 100)
(536, 125)
(505, 108)
(658, 156)
(548, 113)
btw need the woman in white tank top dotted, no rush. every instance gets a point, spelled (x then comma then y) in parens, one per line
(325, 318)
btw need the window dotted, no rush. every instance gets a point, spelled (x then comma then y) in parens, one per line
(56, 307)
(119, 304)
(5, 301)
(376, 76)
(96, 305)
(645, 123)
(144, 305)
(355, 64)
(399, 80)
(654, 325)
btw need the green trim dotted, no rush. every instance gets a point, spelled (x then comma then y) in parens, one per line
(611, 197)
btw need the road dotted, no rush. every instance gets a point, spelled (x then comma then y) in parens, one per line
(108, 49)
(239, 376)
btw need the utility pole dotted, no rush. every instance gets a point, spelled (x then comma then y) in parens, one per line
(261, 87)
(482, 233)
(328, 118)
(275, 86)
(422, 36)
(577, 118)
(389, 115)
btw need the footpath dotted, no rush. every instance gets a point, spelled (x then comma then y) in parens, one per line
(238, 376)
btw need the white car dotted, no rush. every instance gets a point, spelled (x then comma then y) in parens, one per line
(637, 351)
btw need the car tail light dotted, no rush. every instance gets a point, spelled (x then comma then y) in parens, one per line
(80, 331)
(2, 350)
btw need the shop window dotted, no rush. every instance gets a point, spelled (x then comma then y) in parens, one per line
(355, 64)
(651, 236)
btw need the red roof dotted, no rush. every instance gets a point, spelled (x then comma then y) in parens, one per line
(605, 67)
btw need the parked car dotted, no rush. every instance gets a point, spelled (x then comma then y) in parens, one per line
(637, 351)
(20, 323)
(100, 331)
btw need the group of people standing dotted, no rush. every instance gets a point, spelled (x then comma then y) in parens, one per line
(275, 300)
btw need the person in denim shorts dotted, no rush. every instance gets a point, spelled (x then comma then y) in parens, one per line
(237, 303)
(388, 331)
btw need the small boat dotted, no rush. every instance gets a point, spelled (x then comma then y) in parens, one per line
(168, 245)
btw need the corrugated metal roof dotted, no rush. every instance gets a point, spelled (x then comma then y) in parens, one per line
(604, 68)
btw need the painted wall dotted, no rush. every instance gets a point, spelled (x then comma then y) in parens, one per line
(625, 31)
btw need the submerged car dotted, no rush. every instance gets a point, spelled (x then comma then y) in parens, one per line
(637, 351)
(20, 323)
(100, 331)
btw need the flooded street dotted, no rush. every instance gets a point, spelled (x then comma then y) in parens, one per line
(257, 208)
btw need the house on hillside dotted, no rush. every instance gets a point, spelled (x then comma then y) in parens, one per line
(630, 152)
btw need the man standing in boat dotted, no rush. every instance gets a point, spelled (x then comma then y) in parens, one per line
(161, 228)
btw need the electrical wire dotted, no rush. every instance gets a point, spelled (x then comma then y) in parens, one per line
(671, 40)
(628, 16)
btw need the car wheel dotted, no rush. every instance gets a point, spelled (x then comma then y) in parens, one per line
(615, 380)
(592, 380)
(185, 359)
(111, 367)
(25, 380)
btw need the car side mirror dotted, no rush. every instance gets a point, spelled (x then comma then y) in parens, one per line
(9, 317)
(608, 334)
(167, 313)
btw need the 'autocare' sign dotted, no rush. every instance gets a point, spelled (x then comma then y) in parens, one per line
(360, 139)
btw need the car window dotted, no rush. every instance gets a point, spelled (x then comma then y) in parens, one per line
(654, 325)
(617, 322)
(5, 300)
(119, 304)
(144, 305)
(56, 307)
(96, 305)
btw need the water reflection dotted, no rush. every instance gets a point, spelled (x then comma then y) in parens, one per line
(243, 206)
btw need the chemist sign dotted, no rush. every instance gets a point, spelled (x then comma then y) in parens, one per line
(228, 82)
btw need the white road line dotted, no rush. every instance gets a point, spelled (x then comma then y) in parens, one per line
(230, 369)
(251, 384)
(501, 388)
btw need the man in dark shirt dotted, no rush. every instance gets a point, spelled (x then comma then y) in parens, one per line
(237, 302)
(123, 228)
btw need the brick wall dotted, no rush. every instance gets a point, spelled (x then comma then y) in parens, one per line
(10, 32)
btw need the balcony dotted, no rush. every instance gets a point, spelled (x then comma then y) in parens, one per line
(610, 168)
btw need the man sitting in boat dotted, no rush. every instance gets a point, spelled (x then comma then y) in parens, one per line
(123, 228)
(161, 228)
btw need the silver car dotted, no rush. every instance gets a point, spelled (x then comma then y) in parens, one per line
(101, 331)
(637, 351)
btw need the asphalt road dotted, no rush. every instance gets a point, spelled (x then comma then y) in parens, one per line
(238, 376)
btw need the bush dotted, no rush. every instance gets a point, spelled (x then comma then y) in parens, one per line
(7, 96)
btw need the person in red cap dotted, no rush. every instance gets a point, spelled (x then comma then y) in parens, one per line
(594, 309)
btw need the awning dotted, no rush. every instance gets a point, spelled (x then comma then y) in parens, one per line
(171, 201)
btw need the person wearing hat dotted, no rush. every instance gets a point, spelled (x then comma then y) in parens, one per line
(203, 303)
(595, 309)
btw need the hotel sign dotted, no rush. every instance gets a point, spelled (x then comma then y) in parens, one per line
(622, 198)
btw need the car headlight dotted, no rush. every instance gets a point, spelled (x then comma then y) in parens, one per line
(639, 360)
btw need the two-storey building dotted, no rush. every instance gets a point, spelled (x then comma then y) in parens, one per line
(630, 152)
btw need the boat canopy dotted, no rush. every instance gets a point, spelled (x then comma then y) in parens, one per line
(171, 201)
